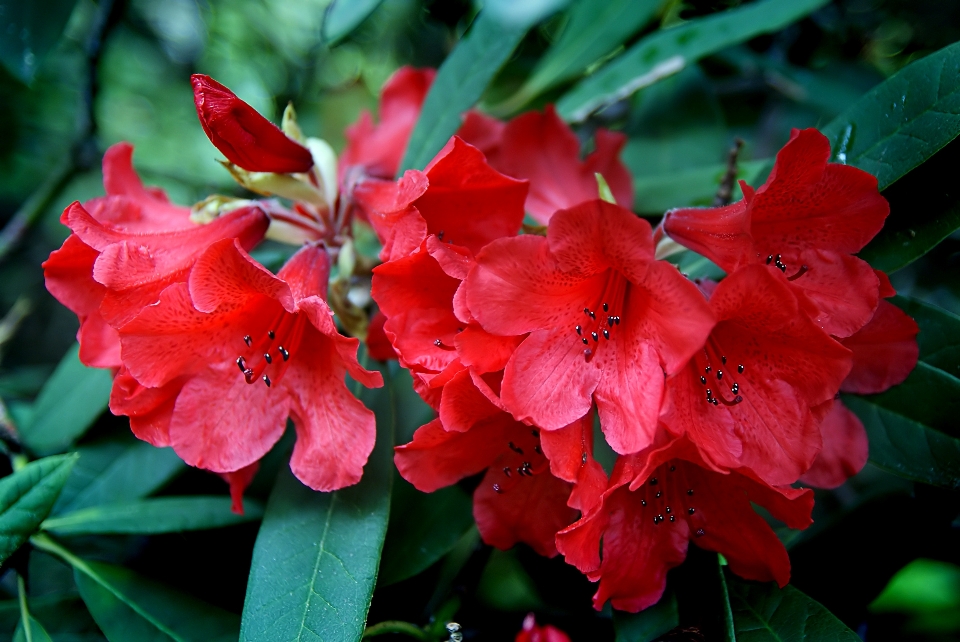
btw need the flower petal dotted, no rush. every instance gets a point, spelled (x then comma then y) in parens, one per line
(844, 452)
(885, 351)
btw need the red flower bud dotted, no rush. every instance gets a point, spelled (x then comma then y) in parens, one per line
(246, 138)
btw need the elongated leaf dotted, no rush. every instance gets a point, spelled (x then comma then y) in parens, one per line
(117, 471)
(30, 30)
(343, 16)
(654, 195)
(149, 516)
(524, 13)
(68, 404)
(316, 557)
(594, 29)
(423, 528)
(666, 52)
(37, 632)
(763, 612)
(130, 608)
(904, 120)
(26, 498)
(939, 337)
(906, 447)
(649, 624)
(460, 82)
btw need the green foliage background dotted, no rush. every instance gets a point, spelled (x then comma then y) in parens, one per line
(121, 541)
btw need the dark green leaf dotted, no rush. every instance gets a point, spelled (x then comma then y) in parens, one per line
(655, 194)
(117, 471)
(460, 82)
(130, 608)
(929, 396)
(506, 585)
(150, 516)
(594, 28)
(524, 13)
(667, 51)
(316, 557)
(939, 338)
(903, 121)
(648, 624)
(423, 528)
(906, 447)
(37, 632)
(30, 30)
(343, 16)
(763, 612)
(68, 404)
(26, 498)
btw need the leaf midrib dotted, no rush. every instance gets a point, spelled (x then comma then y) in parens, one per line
(316, 569)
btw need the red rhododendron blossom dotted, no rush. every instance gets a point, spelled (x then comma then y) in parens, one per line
(533, 632)
(885, 351)
(745, 398)
(606, 321)
(125, 248)
(518, 499)
(378, 345)
(542, 148)
(807, 221)
(239, 480)
(656, 503)
(246, 138)
(378, 149)
(252, 349)
(844, 452)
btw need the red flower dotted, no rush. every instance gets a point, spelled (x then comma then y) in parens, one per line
(378, 149)
(745, 398)
(806, 220)
(378, 345)
(532, 632)
(543, 149)
(251, 349)
(125, 249)
(606, 321)
(239, 480)
(845, 449)
(656, 503)
(246, 138)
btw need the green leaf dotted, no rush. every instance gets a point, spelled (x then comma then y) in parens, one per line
(150, 516)
(460, 82)
(528, 12)
(667, 51)
(903, 121)
(68, 404)
(30, 30)
(939, 338)
(117, 471)
(649, 624)
(316, 556)
(763, 612)
(37, 632)
(655, 194)
(423, 528)
(343, 16)
(906, 447)
(26, 498)
(594, 29)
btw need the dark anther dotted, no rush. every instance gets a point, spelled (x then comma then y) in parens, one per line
(610, 321)
(515, 448)
(672, 468)
(248, 340)
(440, 235)
(283, 353)
(769, 259)
(535, 433)
(659, 518)
(616, 320)
(438, 343)
(740, 368)
(714, 402)
(800, 272)
(537, 450)
(592, 314)
(248, 375)
(595, 336)
(579, 329)
(719, 375)
(659, 493)
(653, 482)
(643, 502)
(506, 470)
(606, 334)
(691, 510)
(735, 388)
(266, 380)
(242, 364)
(673, 518)
(703, 380)
(271, 335)
(583, 458)
(267, 357)
(606, 308)
(700, 532)
(709, 393)
(586, 311)
(707, 370)
(585, 342)
(497, 489)
(723, 360)
(690, 492)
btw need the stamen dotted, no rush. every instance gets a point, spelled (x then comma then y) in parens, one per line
(443, 346)
(271, 334)
(691, 511)
(266, 380)
(248, 340)
(515, 448)
(595, 336)
(703, 380)
(723, 360)
(241, 364)
(579, 330)
(606, 334)
(800, 272)
(740, 368)
(606, 308)
(440, 235)
(267, 357)
(506, 470)
(719, 375)
(283, 353)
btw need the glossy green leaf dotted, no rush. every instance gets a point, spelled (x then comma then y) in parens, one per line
(655, 194)
(131, 608)
(343, 16)
(316, 557)
(68, 404)
(667, 51)
(594, 28)
(528, 12)
(423, 528)
(766, 613)
(649, 624)
(26, 498)
(151, 516)
(30, 30)
(903, 121)
(117, 471)
(906, 447)
(939, 338)
(460, 81)
(37, 632)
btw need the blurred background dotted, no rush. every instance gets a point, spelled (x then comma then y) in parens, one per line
(78, 76)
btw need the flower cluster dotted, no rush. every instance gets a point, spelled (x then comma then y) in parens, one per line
(714, 395)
